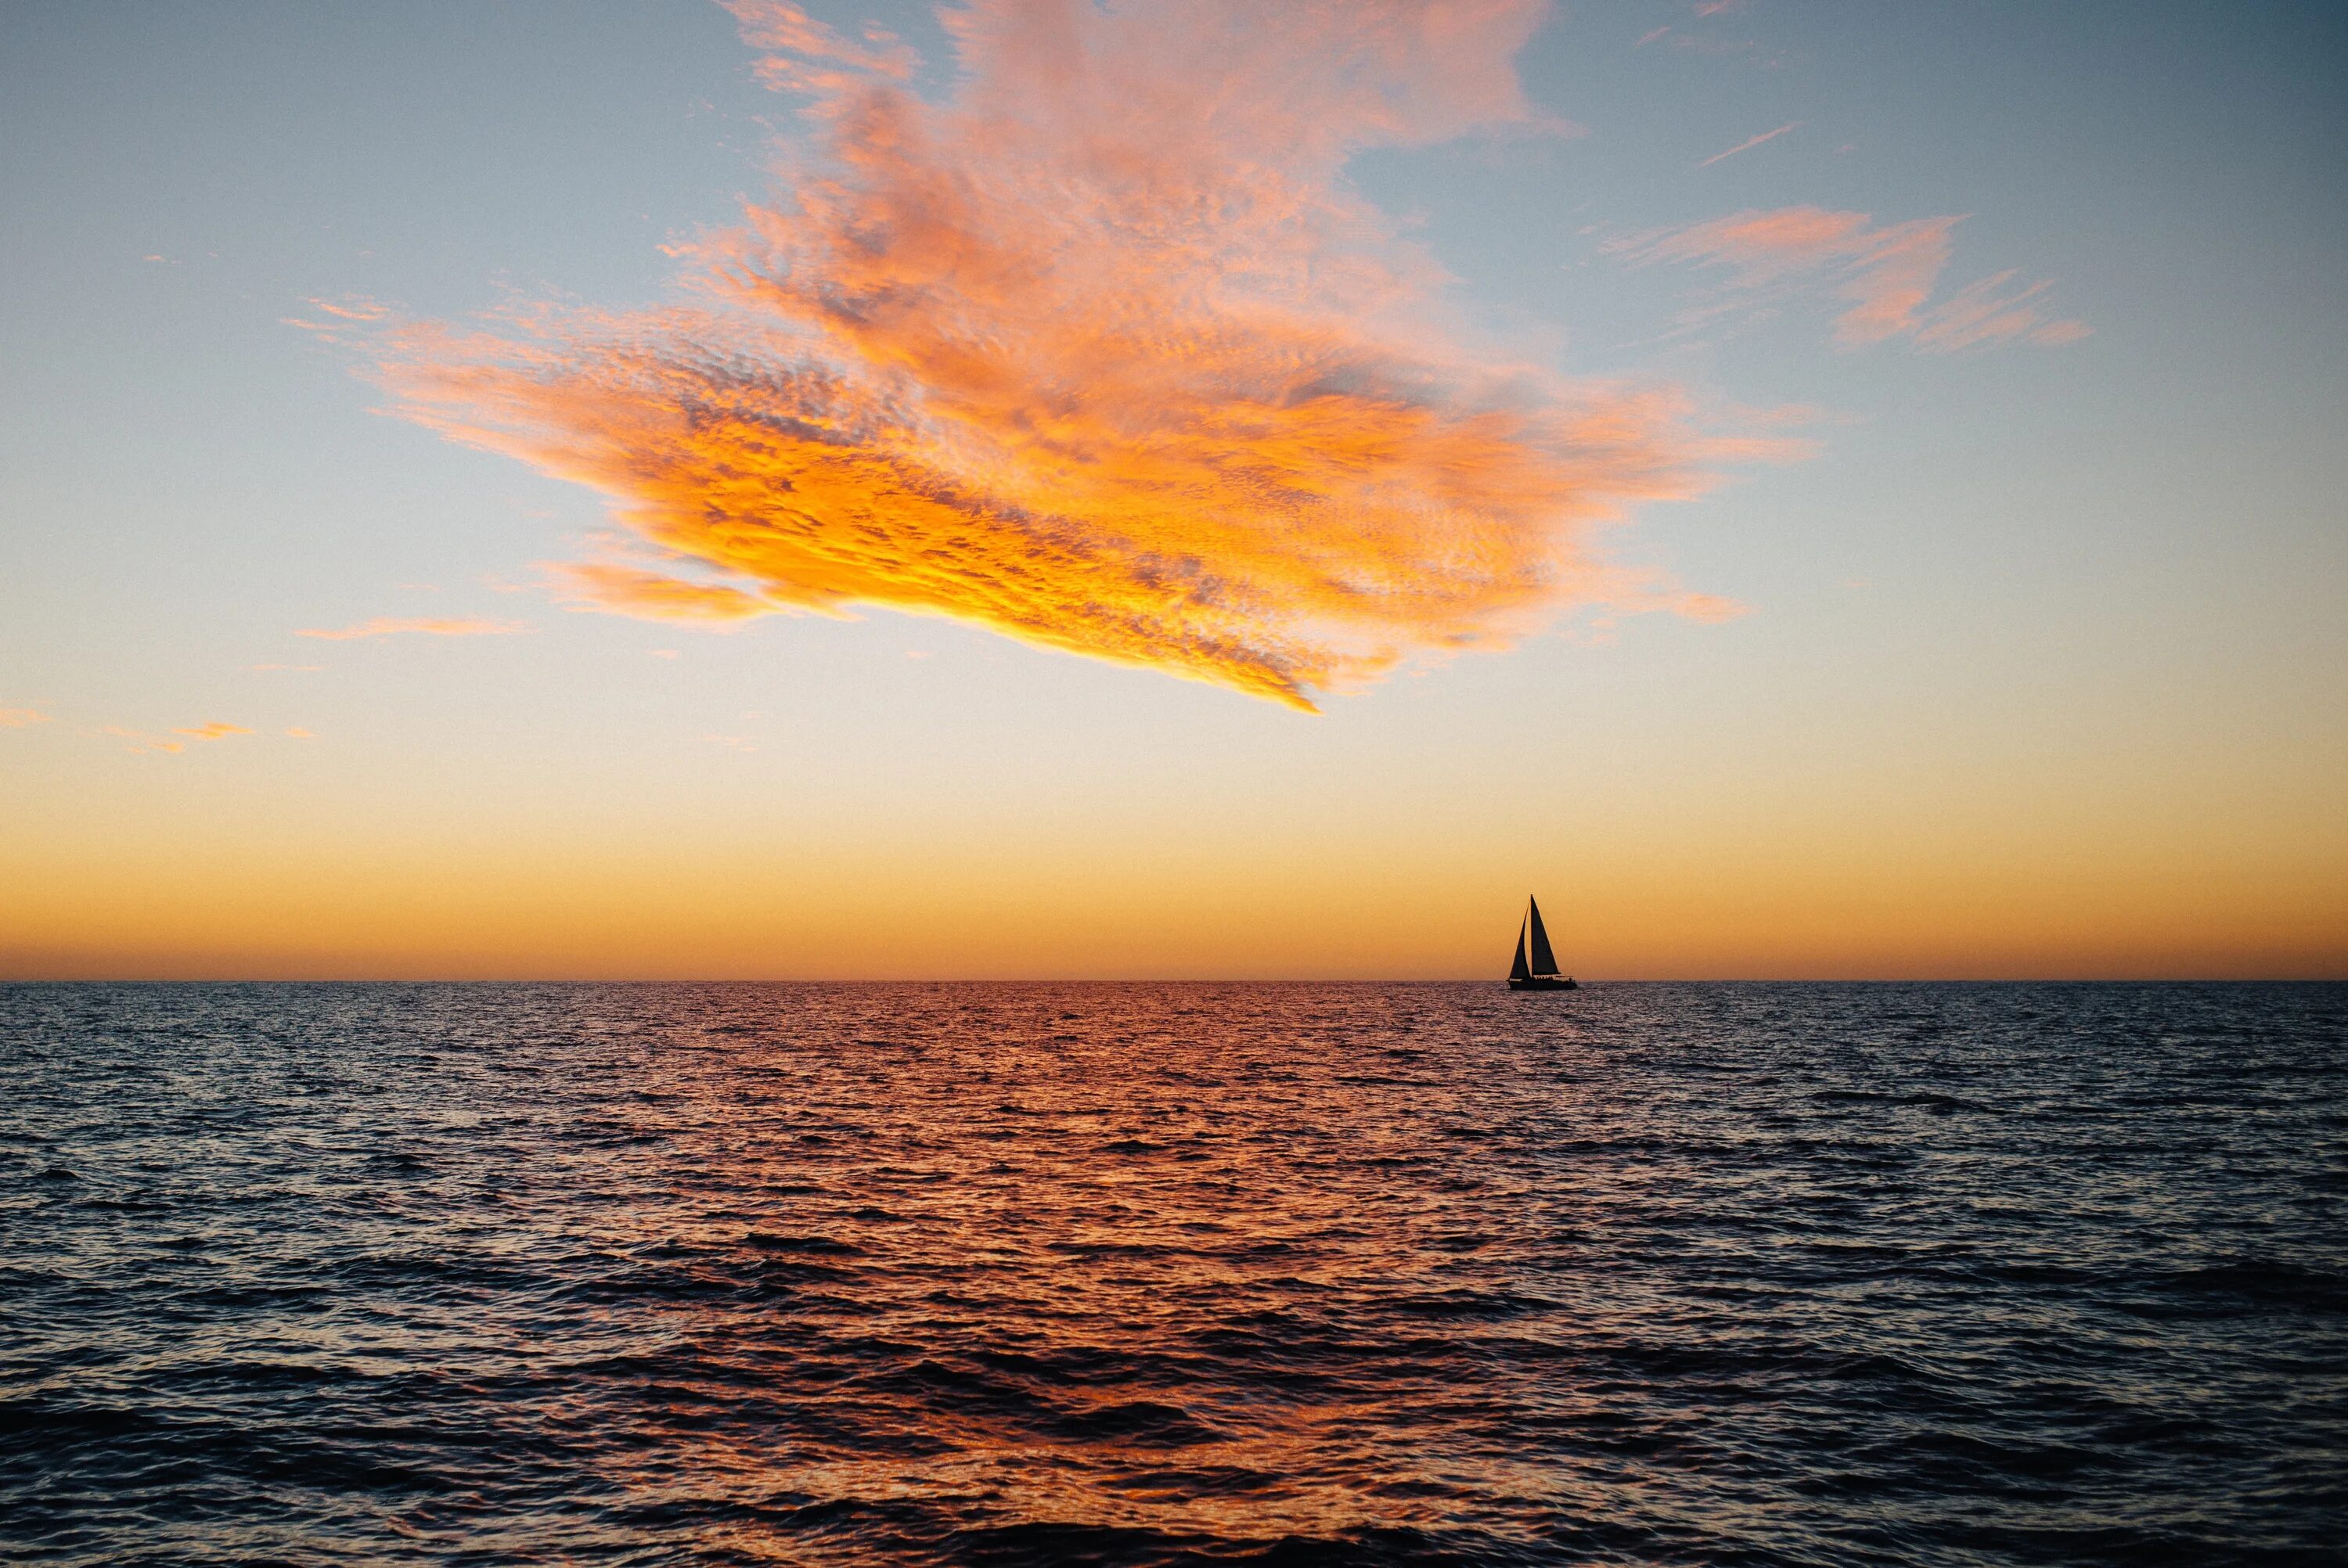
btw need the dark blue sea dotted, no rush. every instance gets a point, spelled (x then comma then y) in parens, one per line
(999, 1275)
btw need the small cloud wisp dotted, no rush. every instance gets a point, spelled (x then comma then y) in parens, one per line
(141, 742)
(1099, 350)
(1885, 276)
(425, 626)
(1751, 142)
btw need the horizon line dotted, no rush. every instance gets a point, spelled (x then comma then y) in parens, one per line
(1499, 982)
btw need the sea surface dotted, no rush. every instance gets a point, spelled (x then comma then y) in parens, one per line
(1173, 1273)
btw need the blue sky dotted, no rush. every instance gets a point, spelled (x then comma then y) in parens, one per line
(2040, 666)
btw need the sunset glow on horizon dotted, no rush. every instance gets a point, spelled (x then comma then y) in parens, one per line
(1038, 488)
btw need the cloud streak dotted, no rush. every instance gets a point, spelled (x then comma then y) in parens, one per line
(1752, 142)
(142, 741)
(424, 626)
(21, 718)
(654, 596)
(1885, 275)
(1099, 350)
(215, 729)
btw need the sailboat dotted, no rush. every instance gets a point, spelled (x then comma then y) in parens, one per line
(1536, 967)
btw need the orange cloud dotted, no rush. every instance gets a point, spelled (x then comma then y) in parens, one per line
(807, 56)
(217, 730)
(632, 590)
(21, 718)
(141, 742)
(1099, 351)
(429, 626)
(1886, 276)
(1628, 591)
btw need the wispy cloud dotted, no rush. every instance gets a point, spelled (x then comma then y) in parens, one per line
(1632, 591)
(425, 626)
(352, 308)
(1997, 308)
(1885, 276)
(142, 741)
(21, 718)
(807, 56)
(654, 596)
(1750, 143)
(216, 729)
(1100, 352)
(352, 311)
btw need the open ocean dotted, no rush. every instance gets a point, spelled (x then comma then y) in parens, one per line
(1160, 1274)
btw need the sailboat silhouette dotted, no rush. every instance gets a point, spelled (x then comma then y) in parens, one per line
(1536, 967)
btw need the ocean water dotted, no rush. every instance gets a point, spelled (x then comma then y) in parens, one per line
(1108, 1275)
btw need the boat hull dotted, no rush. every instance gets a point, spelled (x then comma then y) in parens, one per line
(1544, 983)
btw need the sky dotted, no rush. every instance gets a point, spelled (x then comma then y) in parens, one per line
(1192, 489)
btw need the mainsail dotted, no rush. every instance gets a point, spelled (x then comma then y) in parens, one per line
(1544, 961)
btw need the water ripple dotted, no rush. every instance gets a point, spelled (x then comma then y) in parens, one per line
(1012, 1274)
